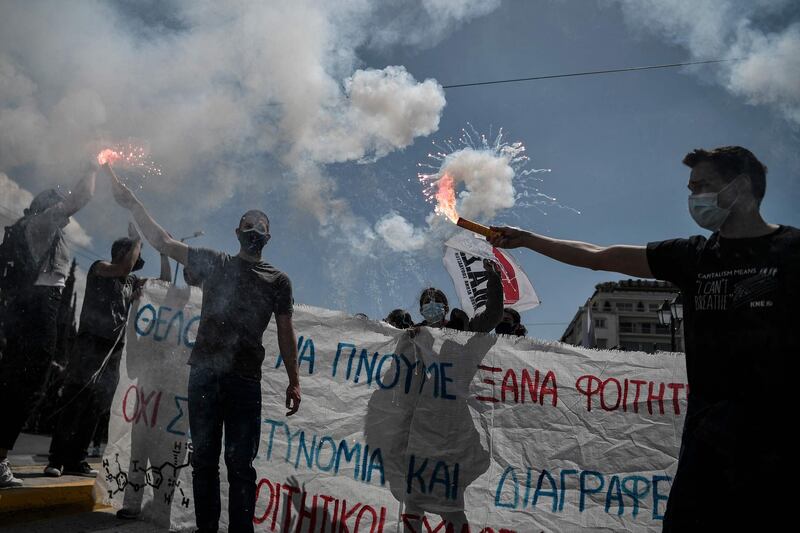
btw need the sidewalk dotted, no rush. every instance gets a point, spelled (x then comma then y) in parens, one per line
(99, 521)
(42, 497)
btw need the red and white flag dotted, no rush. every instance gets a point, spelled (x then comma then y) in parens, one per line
(463, 259)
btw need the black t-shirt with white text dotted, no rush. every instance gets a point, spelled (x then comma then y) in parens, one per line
(239, 298)
(741, 302)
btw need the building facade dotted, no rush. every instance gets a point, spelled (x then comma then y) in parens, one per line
(624, 317)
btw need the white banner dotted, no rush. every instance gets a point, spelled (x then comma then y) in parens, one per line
(395, 431)
(463, 259)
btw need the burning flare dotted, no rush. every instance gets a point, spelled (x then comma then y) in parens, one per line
(445, 195)
(133, 159)
(108, 156)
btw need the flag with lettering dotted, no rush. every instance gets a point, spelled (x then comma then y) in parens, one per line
(463, 259)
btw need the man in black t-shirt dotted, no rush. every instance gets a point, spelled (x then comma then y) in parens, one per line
(240, 295)
(92, 372)
(741, 288)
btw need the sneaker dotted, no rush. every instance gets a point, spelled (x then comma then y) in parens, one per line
(82, 469)
(127, 514)
(7, 478)
(52, 471)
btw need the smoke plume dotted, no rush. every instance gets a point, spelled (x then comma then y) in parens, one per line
(763, 34)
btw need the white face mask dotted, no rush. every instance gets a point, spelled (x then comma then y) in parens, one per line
(705, 209)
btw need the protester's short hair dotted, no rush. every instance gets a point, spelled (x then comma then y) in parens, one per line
(514, 313)
(255, 212)
(120, 247)
(730, 161)
(434, 294)
(400, 319)
(44, 200)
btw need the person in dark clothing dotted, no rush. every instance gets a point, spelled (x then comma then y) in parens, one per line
(34, 265)
(240, 295)
(740, 288)
(511, 324)
(434, 308)
(92, 373)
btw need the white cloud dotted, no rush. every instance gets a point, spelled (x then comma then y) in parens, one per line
(214, 86)
(15, 199)
(399, 234)
(764, 34)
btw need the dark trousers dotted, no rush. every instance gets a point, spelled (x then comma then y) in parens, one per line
(216, 400)
(85, 399)
(31, 330)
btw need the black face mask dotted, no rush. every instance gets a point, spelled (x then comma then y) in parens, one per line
(138, 265)
(252, 241)
(505, 328)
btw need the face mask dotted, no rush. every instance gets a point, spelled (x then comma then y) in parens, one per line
(138, 265)
(433, 312)
(252, 241)
(705, 209)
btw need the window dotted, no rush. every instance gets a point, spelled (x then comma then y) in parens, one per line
(607, 306)
(646, 327)
(600, 323)
(654, 307)
(624, 306)
(640, 307)
(594, 306)
(662, 329)
(602, 343)
(626, 327)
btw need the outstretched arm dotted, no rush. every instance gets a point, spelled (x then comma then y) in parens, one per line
(629, 260)
(155, 234)
(288, 346)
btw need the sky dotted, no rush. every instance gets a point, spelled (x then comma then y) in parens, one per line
(320, 112)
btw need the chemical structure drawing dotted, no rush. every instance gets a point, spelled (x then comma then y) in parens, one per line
(154, 476)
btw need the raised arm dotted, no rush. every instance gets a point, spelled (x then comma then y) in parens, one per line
(123, 268)
(624, 259)
(488, 319)
(74, 202)
(155, 234)
(81, 194)
(166, 269)
(288, 346)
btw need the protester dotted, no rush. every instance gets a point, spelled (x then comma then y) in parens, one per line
(511, 324)
(92, 373)
(34, 264)
(433, 307)
(400, 319)
(740, 289)
(240, 294)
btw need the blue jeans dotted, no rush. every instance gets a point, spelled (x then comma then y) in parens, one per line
(216, 400)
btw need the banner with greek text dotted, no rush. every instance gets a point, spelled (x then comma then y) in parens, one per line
(437, 432)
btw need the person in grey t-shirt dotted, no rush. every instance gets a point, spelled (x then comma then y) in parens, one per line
(240, 295)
